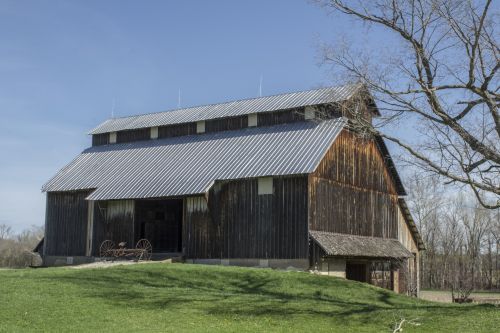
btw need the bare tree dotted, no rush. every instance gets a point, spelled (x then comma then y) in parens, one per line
(5, 231)
(441, 75)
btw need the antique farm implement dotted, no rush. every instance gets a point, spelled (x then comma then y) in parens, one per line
(142, 251)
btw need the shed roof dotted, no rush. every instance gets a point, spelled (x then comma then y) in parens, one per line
(359, 246)
(189, 165)
(230, 109)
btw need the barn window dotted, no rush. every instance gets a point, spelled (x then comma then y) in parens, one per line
(200, 127)
(112, 137)
(309, 113)
(154, 132)
(265, 185)
(252, 120)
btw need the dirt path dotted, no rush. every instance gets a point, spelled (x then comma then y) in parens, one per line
(106, 264)
(445, 296)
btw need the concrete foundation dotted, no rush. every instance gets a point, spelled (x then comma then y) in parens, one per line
(333, 267)
(66, 261)
(289, 264)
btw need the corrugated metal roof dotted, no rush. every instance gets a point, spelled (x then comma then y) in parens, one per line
(190, 164)
(359, 246)
(229, 109)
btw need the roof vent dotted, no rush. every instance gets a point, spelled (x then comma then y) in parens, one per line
(309, 113)
(154, 132)
(200, 126)
(252, 120)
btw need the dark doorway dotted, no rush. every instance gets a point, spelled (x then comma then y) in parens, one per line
(160, 222)
(356, 272)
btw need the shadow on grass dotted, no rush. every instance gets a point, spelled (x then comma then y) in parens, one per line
(223, 291)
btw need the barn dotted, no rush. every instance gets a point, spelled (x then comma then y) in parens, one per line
(280, 181)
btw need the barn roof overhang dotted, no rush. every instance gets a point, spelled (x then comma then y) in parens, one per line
(189, 165)
(344, 245)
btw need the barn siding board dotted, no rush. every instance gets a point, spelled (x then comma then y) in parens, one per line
(226, 124)
(100, 139)
(66, 223)
(239, 223)
(280, 117)
(352, 191)
(113, 220)
(170, 131)
(133, 135)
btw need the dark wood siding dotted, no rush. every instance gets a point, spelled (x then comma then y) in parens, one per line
(66, 223)
(133, 135)
(176, 130)
(100, 139)
(352, 191)
(239, 223)
(226, 124)
(280, 117)
(113, 220)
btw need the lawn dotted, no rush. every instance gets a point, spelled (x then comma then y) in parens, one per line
(185, 298)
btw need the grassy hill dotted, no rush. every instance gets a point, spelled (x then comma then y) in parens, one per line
(186, 298)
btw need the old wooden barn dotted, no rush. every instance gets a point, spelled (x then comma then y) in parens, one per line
(278, 181)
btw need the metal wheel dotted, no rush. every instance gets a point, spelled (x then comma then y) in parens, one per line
(106, 248)
(144, 249)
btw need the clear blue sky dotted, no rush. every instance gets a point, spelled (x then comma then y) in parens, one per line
(63, 62)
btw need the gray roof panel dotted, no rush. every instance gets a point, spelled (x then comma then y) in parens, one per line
(189, 165)
(229, 109)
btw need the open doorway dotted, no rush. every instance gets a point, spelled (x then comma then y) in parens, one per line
(160, 222)
(356, 271)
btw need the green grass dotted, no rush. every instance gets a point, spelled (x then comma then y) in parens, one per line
(186, 298)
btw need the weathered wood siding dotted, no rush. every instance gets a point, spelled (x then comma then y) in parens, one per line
(113, 220)
(239, 223)
(226, 124)
(176, 130)
(66, 223)
(100, 139)
(133, 135)
(352, 192)
(280, 117)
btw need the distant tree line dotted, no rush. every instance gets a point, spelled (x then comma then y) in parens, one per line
(462, 238)
(16, 249)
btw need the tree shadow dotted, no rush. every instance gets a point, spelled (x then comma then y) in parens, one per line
(220, 291)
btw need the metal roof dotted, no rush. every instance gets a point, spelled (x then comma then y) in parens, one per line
(229, 109)
(359, 246)
(190, 164)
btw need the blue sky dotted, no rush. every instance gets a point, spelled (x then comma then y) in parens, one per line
(62, 63)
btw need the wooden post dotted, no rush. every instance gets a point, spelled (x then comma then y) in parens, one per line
(90, 228)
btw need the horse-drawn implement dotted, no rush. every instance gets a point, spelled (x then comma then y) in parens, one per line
(142, 251)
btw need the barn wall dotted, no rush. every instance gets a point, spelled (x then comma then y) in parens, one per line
(239, 223)
(352, 192)
(133, 135)
(100, 139)
(113, 220)
(226, 124)
(169, 131)
(66, 224)
(409, 273)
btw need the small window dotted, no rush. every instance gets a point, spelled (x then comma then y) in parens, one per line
(252, 120)
(265, 185)
(309, 113)
(200, 127)
(112, 137)
(154, 132)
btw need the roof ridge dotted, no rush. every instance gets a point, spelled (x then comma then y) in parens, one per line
(235, 100)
